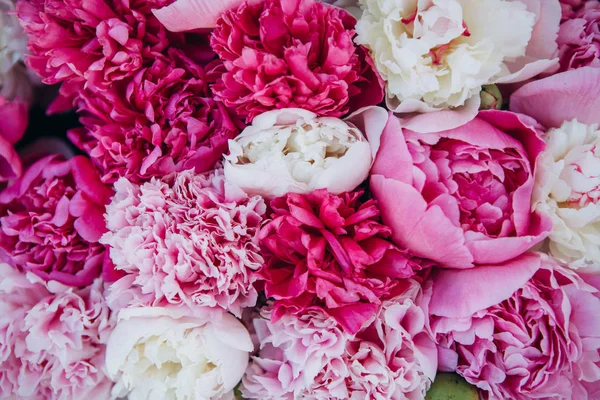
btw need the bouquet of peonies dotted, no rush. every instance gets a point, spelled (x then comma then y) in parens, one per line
(300, 199)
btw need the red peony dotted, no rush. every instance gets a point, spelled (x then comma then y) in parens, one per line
(164, 120)
(52, 218)
(293, 53)
(331, 252)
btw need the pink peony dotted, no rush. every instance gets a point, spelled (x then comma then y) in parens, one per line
(163, 120)
(330, 252)
(53, 339)
(97, 42)
(186, 239)
(52, 219)
(525, 329)
(463, 196)
(13, 123)
(579, 38)
(310, 356)
(293, 54)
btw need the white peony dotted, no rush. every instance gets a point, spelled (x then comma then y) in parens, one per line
(437, 54)
(159, 353)
(293, 150)
(14, 78)
(568, 189)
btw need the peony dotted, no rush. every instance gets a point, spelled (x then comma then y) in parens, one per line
(162, 353)
(579, 38)
(351, 6)
(13, 123)
(293, 54)
(162, 121)
(97, 42)
(53, 339)
(525, 329)
(293, 150)
(187, 239)
(463, 196)
(309, 356)
(52, 219)
(330, 251)
(14, 81)
(568, 189)
(437, 54)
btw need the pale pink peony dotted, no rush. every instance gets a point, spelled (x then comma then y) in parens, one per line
(330, 251)
(163, 120)
(13, 123)
(525, 329)
(293, 54)
(97, 42)
(54, 339)
(461, 197)
(52, 219)
(186, 239)
(310, 356)
(579, 38)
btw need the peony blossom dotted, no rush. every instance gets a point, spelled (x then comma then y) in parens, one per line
(14, 80)
(293, 150)
(187, 239)
(293, 54)
(53, 339)
(437, 54)
(161, 121)
(568, 189)
(525, 329)
(579, 38)
(14, 117)
(330, 252)
(463, 196)
(97, 42)
(52, 219)
(309, 356)
(163, 353)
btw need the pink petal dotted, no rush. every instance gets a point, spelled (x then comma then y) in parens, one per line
(458, 294)
(561, 97)
(187, 15)
(393, 160)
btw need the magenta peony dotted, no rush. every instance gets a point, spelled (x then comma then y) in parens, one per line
(330, 252)
(97, 42)
(52, 219)
(293, 54)
(52, 339)
(309, 355)
(579, 38)
(525, 329)
(186, 239)
(164, 120)
(13, 123)
(463, 196)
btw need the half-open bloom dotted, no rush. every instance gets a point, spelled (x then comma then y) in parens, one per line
(166, 353)
(463, 196)
(293, 54)
(294, 151)
(331, 252)
(525, 329)
(52, 219)
(187, 239)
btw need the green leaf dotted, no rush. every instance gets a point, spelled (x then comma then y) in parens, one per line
(449, 386)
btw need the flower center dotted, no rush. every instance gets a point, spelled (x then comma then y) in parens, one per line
(582, 173)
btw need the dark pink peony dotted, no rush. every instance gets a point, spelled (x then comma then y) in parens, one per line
(461, 197)
(52, 219)
(97, 41)
(164, 120)
(331, 252)
(579, 38)
(525, 329)
(13, 123)
(293, 53)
